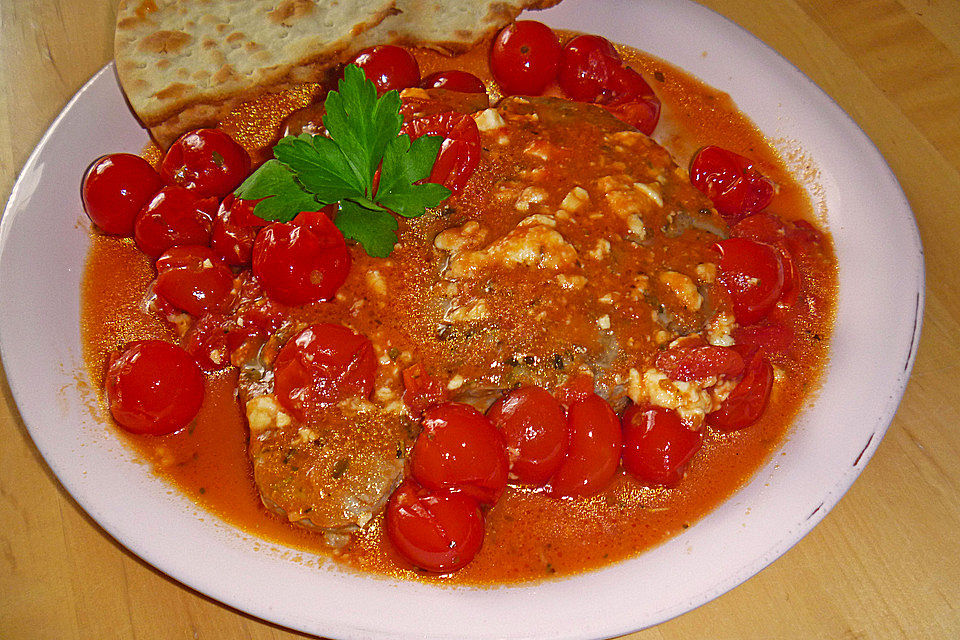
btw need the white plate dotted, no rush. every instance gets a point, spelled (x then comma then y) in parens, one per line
(43, 243)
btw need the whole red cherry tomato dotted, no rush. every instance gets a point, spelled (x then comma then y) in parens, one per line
(587, 65)
(699, 362)
(460, 152)
(174, 216)
(730, 180)
(322, 365)
(459, 450)
(747, 401)
(114, 190)
(439, 531)
(206, 161)
(421, 390)
(753, 275)
(206, 341)
(632, 100)
(535, 427)
(389, 67)
(524, 58)
(193, 279)
(302, 261)
(656, 445)
(235, 230)
(594, 451)
(454, 80)
(153, 387)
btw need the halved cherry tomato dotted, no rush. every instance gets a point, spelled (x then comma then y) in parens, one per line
(114, 190)
(535, 427)
(454, 80)
(460, 152)
(174, 216)
(747, 401)
(193, 279)
(235, 230)
(656, 446)
(730, 180)
(699, 362)
(439, 531)
(593, 454)
(302, 261)
(389, 67)
(753, 275)
(153, 387)
(206, 341)
(421, 390)
(459, 450)
(524, 58)
(587, 64)
(208, 162)
(322, 365)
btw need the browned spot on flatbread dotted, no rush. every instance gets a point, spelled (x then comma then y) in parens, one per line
(174, 91)
(165, 42)
(145, 7)
(290, 11)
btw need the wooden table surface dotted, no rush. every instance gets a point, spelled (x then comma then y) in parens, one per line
(885, 563)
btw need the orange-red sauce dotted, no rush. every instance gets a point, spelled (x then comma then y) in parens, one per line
(529, 535)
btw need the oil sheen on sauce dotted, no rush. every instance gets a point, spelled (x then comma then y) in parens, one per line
(529, 535)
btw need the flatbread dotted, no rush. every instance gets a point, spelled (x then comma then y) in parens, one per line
(185, 64)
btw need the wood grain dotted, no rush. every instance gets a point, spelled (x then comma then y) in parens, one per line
(885, 563)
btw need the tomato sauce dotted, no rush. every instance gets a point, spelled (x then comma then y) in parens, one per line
(528, 534)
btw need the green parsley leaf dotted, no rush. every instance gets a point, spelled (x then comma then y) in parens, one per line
(375, 229)
(320, 166)
(285, 198)
(404, 164)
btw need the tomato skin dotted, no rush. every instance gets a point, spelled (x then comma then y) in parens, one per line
(302, 261)
(206, 341)
(524, 58)
(699, 363)
(421, 390)
(322, 365)
(535, 427)
(459, 153)
(439, 531)
(656, 446)
(454, 80)
(153, 387)
(114, 190)
(577, 387)
(174, 216)
(632, 100)
(207, 162)
(730, 180)
(235, 230)
(587, 64)
(389, 67)
(753, 275)
(749, 398)
(459, 450)
(193, 279)
(594, 451)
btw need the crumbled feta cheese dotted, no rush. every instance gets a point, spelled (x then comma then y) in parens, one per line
(488, 120)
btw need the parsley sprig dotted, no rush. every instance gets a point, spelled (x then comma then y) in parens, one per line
(310, 171)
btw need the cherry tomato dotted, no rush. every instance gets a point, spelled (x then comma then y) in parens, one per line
(251, 328)
(421, 390)
(460, 152)
(699, 363)
(302, 261)
(153, 387)
(206, 161)
(459, 450)
(206, 341)
(632, 100)
(322, 365)
(747, 401)
(594, 451)
(774, 339)
(587, 65)
(656, 445)
(114, 190)
(535, 427)
(730, 180)
(389, 67)
(454, 80)
(174, 216)
(439, 531)
(753, 274)
(578, 387)
(193, 279)
(235, 230)
(524, 58)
